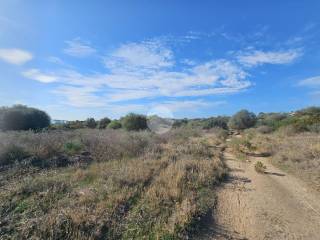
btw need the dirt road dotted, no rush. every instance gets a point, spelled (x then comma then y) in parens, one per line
(256, 206)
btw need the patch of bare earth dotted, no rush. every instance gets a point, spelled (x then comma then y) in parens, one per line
(273, 205)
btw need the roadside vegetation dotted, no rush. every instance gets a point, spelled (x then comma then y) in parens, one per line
(107, 184)
(291, 140)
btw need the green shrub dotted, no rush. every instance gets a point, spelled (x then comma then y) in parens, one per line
(180, 122)
(264, 129)
(114, 124)
(242, 120)
(21, 117)
(11, 154)
(134, 122)
(73, 147)
(314, 128)
(216, 122)
(272, 120)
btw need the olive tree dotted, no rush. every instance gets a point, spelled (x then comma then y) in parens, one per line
(242, 120)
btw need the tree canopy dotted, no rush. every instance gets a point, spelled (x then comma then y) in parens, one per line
(20, 117)
(242, 120)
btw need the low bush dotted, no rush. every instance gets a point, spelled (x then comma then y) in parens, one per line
(216, 122)
(72, 148)
(11, 154)
(260, 167)
(315, 128)
(264, 129)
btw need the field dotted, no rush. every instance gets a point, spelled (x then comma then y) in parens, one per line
(239, 177)
(107, 184)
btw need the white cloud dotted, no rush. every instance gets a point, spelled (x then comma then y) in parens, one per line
(37, 75)
(310, 82)
(256, 57)
(144, 70)
(150, 54)
(15, 56)
(79, 48)
(81, 96)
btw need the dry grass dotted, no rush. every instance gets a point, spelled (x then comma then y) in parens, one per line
(298, 153)
(259, 167)
(139, 185)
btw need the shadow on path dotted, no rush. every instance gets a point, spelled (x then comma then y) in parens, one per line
(275, 174)
(213, 231)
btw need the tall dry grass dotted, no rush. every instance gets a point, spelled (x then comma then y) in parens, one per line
(139, 185)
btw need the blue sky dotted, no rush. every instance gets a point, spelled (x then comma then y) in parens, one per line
(78, 59)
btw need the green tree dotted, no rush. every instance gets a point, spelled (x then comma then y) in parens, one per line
(103, 123)
(91, 123)
(242, 120)
(21, 117)
(134, 122)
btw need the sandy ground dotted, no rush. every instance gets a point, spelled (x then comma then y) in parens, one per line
(256, 206)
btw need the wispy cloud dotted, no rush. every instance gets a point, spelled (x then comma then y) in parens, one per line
(15, 56)
(310, 82)
(55, 60)
(150, 70)
(149, 54)
(79, 48)
(144, 70)
(257, 57)
(37, 75)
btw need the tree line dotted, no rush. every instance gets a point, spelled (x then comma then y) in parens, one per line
(20, 117)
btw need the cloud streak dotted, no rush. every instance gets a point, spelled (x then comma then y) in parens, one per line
(79, 48)
(257, 57)
(310, 82)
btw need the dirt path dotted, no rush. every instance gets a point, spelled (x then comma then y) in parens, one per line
(256, 206)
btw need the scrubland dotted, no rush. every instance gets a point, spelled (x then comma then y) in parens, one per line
(116, 179)
(107, 184)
